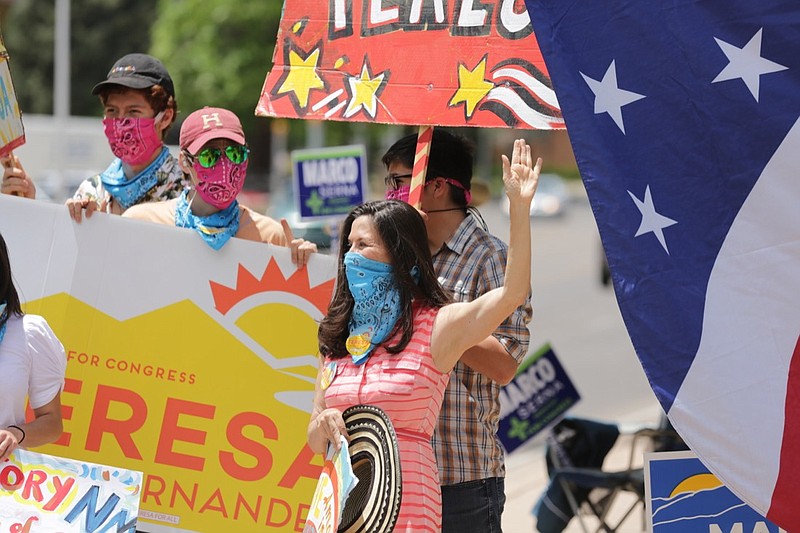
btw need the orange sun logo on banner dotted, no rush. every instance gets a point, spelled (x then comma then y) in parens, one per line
(272, 280)
(254, 302)
(421, 62)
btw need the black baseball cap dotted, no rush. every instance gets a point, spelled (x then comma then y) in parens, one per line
(138, 71)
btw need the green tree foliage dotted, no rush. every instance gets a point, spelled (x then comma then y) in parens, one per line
(31, 65)
(102, 31)
(218, 53)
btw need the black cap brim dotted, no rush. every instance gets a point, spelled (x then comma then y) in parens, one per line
(130, 82)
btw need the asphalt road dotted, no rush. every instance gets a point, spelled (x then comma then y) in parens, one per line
(580, 318)
(577, 315)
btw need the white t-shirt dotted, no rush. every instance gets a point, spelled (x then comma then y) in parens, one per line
(32, 365)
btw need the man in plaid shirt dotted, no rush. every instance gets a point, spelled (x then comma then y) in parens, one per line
(469, 262)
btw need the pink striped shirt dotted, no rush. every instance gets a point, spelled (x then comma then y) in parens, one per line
(409, 388)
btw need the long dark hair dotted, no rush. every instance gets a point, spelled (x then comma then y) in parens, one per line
(402, 231)
(8, 293)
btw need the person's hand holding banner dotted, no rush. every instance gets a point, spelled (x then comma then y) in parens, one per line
(301, 248)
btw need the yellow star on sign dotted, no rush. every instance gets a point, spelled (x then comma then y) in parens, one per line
(302, 77)
(364, 92)
(472, 86)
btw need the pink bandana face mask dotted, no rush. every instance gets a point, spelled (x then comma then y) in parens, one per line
(402, 193)
(221, 184)
(133, 140)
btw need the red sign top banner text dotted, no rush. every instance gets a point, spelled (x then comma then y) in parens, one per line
(419, 62)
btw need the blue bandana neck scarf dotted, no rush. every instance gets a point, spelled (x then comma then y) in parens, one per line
(3, 319)
(377, 303)
(128, 192)
(215, 229)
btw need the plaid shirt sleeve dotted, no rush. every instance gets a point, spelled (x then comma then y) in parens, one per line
(513, 333)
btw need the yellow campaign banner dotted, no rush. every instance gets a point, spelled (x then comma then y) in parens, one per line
(12, 133)
(193, 366)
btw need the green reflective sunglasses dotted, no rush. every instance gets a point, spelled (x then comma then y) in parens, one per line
(208, 157)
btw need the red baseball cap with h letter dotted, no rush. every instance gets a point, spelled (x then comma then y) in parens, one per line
(210, 123)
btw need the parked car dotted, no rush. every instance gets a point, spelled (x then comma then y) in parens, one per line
(552, 197)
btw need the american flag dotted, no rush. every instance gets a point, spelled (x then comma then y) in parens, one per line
(683, 116)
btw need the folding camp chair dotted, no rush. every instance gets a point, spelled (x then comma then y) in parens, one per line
(579, 487)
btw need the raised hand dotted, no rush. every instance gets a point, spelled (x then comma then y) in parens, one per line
(520, 176)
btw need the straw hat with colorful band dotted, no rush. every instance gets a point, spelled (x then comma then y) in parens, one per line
(374, 504)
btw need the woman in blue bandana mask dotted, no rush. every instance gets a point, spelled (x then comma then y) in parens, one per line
(391, 336)
(32, 366)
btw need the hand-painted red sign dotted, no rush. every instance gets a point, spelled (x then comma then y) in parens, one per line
(423, 62)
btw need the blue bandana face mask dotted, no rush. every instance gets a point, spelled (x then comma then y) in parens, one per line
(2, 316)
(216, 229)
(377, 303)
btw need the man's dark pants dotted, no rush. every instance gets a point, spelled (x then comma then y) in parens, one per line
(473, 506)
